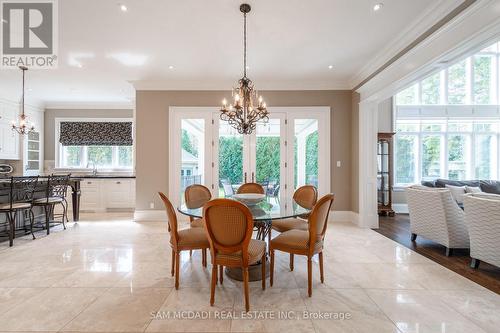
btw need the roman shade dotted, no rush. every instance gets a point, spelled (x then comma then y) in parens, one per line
(96, 133)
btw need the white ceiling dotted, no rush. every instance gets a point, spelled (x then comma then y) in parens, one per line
(291, 44)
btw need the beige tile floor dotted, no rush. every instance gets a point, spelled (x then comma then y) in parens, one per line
(110, 274)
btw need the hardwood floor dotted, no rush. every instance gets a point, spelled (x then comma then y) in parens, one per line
(398, 229)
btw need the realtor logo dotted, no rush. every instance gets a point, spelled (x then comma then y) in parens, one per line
(29, 33)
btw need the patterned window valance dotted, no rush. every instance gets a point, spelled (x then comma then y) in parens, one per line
(96, 134)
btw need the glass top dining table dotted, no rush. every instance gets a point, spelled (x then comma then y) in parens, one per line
(267, 210)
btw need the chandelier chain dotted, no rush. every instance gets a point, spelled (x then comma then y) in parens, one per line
(245, 45)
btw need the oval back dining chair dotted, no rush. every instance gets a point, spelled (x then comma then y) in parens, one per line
(196, 196)
(229, 226)
(306, 242)
(305, 196)
(182, 240)
(250, 188)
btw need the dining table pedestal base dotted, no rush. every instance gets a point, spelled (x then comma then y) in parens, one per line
(254, 272)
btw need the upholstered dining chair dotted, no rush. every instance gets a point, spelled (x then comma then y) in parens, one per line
(306, 196)
(196, 196)
(229, 226)
(182, 240)
(306, 242)
(250, 188)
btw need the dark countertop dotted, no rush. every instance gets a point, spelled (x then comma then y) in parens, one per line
(102, 177)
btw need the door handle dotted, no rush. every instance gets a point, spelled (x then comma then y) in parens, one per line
(245, 177)
(253, 177)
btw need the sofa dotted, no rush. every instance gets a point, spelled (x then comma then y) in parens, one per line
(487, 186)
(435, 215)
(482, 217)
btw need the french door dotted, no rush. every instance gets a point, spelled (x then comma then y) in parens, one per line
(290, 150)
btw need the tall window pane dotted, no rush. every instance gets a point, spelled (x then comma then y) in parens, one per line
(408, 96)
(485, 156)
(457, 83)
(458, 156)
(431, 156)
(430, 89)
(483, 79)
(406, 152)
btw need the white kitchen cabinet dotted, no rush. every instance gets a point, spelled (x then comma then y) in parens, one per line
(9, 142)
(99, 195)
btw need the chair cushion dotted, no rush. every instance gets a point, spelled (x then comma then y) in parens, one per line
(50, 200)
(256, 249)
(192, 238)
(16, 205)
(294, 240)
(289, 224)
(198, 223)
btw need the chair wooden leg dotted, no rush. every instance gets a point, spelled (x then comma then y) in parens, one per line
(263, 260)
(177, 259)
(204, 257)
(221, 274)
(321, 271)
(309, 276)
(245, 285)
(190, 253)
(212, 285)
(64, 214)
(475, 263)
(291, 261)
(271, 273)
(11, 228)
(172, 270)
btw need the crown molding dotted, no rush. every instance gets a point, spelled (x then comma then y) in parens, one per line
(425, 20)
(461, 37)
(91, 105)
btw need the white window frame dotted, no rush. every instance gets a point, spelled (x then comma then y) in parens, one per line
(58, 149)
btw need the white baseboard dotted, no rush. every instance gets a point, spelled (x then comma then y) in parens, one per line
(400, 208)
(343, 216)
(150, 216)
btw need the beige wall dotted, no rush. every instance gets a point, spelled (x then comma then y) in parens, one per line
(52, 114)
(354, 146)
(152, 136)
(385, 116)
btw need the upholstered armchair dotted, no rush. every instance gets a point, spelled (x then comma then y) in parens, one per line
(435, 215)
(482, 217)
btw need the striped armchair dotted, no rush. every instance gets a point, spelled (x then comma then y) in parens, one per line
(482, 216)
(435, 215)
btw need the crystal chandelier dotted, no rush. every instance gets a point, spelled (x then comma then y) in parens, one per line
(247, 109)
(23, 127)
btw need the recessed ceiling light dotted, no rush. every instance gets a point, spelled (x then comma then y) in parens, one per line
(170, 67)
(123, 8)
(330, 66)
(378, 6)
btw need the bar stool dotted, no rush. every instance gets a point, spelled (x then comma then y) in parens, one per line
(19, 195)
(54, 193)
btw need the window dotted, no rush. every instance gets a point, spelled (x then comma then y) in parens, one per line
(430, 89)
(457, 81)
(452, 149)
(80, 151)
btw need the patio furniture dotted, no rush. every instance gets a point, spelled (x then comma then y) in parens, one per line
(183, 240)
(435, 215)
(251, 188)
(18, 193)
(306, 242)
(482, 217)
(54, 192)
(196, 196)
(229, 226)
(227, 186)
